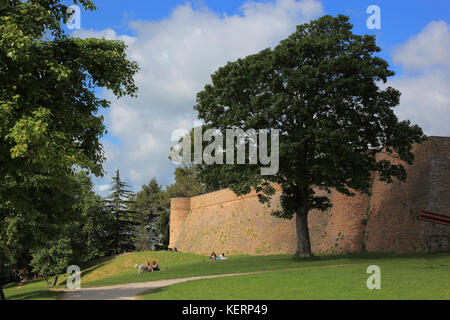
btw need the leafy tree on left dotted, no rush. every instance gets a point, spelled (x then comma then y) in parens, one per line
(49, 122)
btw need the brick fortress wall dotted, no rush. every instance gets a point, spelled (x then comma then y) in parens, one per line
(384, 221)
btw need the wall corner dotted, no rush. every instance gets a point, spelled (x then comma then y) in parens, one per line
(179, 210)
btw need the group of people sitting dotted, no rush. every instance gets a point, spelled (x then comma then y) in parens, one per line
(215, 257)
(153, 266)
(148, 267)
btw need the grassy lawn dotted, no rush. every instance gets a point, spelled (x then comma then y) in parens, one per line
(31, 290)
(409, 278)
(403, 276)
(182, 265)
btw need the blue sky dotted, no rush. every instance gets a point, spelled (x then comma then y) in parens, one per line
(401, 19)
(179, 44)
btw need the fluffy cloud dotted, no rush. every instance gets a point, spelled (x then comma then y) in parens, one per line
(177, 55)
(430, 48)
(425, 99)
(103, 189)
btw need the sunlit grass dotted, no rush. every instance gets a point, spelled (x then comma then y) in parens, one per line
(409, 278)
(428, 272)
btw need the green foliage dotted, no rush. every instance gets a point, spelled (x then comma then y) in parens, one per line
(91, 225)
(3, 4)
(49, 121)
(50, 124)
(152, 207)
(52, 259)
(77, 216)
(119, 204)
(187, 183)
(163, 227)
(320, 88)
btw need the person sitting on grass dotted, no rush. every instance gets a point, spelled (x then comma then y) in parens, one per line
(213, 256)
(222, 256)
(154, 266)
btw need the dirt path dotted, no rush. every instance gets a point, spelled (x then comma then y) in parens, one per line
(129, 291)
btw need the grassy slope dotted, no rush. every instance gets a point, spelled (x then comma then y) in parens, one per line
(121, 270)
(181, 265)
(408, 278)
(31, 290)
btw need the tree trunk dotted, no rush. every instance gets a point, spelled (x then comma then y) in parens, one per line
(2, 295)
(55, 281)
(303, 242)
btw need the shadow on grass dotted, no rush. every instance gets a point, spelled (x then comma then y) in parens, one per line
(35, 295)
(61, 283)
(151, 291)
(16, 284)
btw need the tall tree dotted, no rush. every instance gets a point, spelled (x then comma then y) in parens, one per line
(91, 227)
(119, 204)
(53, 259)
(319, 87)
(75, 229)
(151, 204)
(49, 121)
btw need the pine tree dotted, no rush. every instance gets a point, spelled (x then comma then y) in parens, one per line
(119, 204)
(151, 204)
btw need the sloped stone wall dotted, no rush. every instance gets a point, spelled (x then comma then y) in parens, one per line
(384, 221)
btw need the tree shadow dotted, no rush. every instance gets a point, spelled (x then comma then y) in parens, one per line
(152, 291)
(83, 273)
(34, 295)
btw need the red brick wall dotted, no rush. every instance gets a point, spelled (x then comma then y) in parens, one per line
(384, 221)
(393, 225)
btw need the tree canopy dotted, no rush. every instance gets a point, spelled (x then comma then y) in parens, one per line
(50, 126)
(320, 88)
(152, 209)
(49, 121)
(119, 203)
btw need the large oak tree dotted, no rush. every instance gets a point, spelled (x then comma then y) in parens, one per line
(321, 88)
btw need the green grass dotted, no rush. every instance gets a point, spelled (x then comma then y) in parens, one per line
(182, 265)
(407, 278)
(31, 290)
(429, 272)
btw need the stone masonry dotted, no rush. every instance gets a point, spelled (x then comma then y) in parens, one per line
(384, 221)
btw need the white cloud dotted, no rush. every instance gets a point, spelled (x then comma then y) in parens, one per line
(430, 48)
(102, 189)
(425, 99)
(108, 34)
(177, 55)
